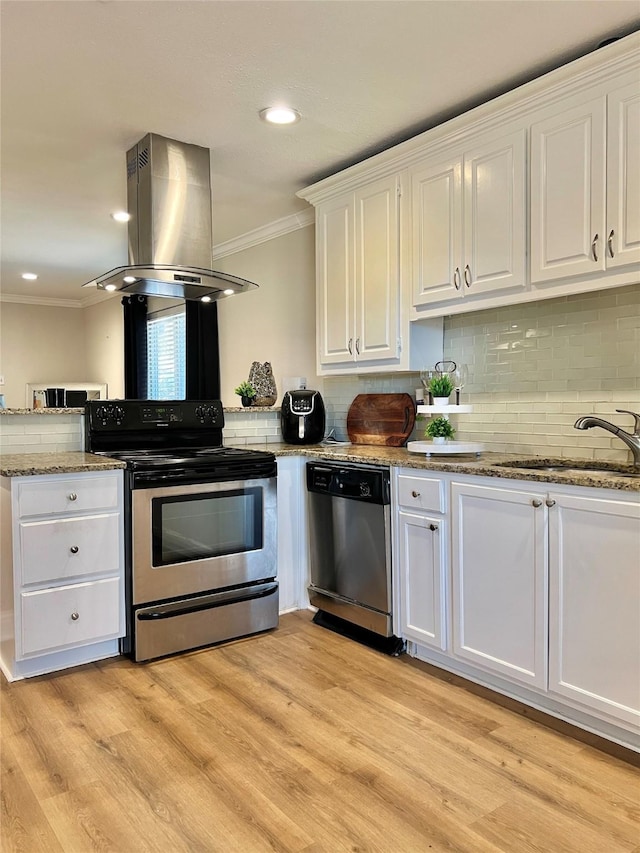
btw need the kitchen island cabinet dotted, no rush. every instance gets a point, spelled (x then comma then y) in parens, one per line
(62, 570)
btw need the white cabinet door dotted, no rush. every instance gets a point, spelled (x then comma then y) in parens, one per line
(594, 585)
(495, 219)
(436, 193)
(470, 222)
(377, 270)
(623, 177)
(335, 273)
(568, 192)
(422, 579)
(499, 568)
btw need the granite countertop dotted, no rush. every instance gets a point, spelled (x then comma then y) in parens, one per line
(43, 411)
(487, 465)
(69, 462)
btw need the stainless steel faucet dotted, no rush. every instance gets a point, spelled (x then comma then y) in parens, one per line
(632, 440)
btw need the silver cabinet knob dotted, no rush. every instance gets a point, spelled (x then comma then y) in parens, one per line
(467, 275)
(433, 527)
(74, 549)
(75, 616)
(73, 496)
(350, 346)
(550, 502)
(415, 494)
(610, 243)
(456, 278)
(594, 247)
(535, 502)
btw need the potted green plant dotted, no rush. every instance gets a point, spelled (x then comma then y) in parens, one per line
(247, 393)
(440, 388)
(439, 430)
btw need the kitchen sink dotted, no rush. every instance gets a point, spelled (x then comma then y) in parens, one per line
(569, 468)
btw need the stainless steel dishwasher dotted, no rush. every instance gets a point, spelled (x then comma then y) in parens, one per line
(350, 551)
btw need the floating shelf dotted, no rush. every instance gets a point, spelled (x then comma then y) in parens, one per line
(431, 449)
(439, 409)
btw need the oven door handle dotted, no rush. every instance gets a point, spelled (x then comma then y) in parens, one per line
(208, 602)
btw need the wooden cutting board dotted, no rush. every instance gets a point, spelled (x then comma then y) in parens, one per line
(381, 419)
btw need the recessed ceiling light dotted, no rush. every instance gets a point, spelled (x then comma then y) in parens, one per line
(205, 299)
(29, 276)
(121, 216)
(109, 287)
(280, 115)
(228, 292)
(129, 279)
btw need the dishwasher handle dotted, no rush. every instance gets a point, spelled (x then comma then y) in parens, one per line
(352, 482)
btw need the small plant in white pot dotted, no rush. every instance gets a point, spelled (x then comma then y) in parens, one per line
(441, 388)
(439, 430)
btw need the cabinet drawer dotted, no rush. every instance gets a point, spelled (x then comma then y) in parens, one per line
(70, 547)
(47, 615)
(72, 495)
(421, 493)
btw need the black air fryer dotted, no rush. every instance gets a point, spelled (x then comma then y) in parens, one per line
(302, 417)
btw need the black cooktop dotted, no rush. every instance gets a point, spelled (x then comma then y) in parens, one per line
(149, 460)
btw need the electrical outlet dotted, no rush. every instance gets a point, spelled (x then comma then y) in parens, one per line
(1, 379)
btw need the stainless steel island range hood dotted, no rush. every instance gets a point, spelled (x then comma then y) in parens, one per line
(170, 234)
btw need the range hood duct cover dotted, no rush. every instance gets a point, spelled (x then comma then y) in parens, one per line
(170, 233)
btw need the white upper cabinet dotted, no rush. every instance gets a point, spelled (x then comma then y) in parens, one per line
(532, 195)
(358, 274)
(568, 192)
(623, 177)
(585, 187)
(469, 221)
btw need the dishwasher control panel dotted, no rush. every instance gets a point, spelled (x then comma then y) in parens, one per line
(349, 481)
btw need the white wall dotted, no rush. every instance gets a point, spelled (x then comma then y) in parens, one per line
(275, 323)
(39, 343)
(105, 344)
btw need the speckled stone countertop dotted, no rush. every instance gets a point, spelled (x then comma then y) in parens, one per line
(487, 465)
(69, 462)
(43, 411)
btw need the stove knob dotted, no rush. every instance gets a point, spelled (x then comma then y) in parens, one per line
(101, 412)
(118, 414)
(199, 412)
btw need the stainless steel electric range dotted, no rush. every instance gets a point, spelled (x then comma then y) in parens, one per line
(201, 524)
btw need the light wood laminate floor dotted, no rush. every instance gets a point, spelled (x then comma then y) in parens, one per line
(296, 740)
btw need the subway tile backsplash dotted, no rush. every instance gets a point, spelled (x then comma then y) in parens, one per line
(533, 369)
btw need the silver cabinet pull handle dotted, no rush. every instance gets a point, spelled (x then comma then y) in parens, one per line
(610, 243)
(74, 549)
(550, 502)
(594, 248)
(350, 346)
(433, 527)
(357, 346)
(75, 617)
(73, 496)
(535, 502)
(415, 494)
(467, 275)
(456, 278)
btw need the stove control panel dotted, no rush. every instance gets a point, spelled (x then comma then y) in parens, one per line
(145, 416)
(160, 414)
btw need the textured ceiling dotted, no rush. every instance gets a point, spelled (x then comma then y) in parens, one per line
(83, 81)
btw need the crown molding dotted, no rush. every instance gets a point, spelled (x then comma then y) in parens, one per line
(277, 228)
(46, 301)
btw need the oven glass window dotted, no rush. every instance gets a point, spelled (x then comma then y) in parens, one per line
(194, 527)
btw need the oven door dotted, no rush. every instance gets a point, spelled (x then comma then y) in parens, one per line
(196, 538)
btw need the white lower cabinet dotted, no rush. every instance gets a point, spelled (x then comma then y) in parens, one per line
(62, 572)
(422, 584)
(529, 588)
(594, 648)
(422, 555)
(499, 590)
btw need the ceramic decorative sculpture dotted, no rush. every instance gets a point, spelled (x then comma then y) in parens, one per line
(262, 379)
